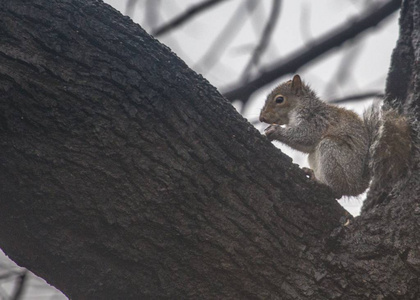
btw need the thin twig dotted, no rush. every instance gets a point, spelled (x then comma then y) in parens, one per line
(358, 97)
(151, 13)
(129, 7)
(3, 294)
(7, 275)
(184, 17)
(265, 38)
(301, 57)
(343, 69)
(223, 39)
(305, 21)
(20, 286)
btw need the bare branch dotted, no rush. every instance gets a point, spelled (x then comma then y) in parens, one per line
(151, 13)
(358, 97)
(20, 286)
(305, 17)
(265, 38)
(3, 294)
(188, 14)
(7, 275)
(224, 38)
(129, 7)
(303, 56)
(344, 69)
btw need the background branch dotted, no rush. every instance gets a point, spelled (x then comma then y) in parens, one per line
(187, 15)
(344, 69)
(20, 286)
(264, 41)
(303, 56)
(224, 38)
(129, 7)
(358, 97)
(151, 13)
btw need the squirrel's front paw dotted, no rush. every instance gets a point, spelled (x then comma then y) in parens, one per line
(271, 130)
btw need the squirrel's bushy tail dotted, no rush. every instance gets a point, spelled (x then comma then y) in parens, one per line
(390, 150)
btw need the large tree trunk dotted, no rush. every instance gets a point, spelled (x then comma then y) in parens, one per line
(125, 175)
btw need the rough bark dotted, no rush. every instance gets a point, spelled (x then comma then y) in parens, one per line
(383, 244)
(125, 175)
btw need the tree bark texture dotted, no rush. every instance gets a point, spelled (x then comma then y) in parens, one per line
(125, 175)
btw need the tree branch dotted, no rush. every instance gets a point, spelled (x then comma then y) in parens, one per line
(129, 7)
(151, 13)
(110, 191)
(184, 17)
(125, 175)
(224, 38)
(357, 97)
(20, 286)
(344, 69)
(303, 56)
(265, 38)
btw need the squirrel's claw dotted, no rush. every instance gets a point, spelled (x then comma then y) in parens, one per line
(270, 131)
(310, 173)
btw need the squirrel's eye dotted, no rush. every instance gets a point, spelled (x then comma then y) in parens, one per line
(279, 99)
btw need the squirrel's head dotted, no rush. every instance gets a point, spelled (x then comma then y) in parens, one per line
(281, 101)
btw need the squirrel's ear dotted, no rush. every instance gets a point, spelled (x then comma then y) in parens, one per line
(296, 84)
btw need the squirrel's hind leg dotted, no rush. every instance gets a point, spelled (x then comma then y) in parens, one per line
(311, 175)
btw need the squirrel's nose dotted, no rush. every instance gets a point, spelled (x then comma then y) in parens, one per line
(262, 119)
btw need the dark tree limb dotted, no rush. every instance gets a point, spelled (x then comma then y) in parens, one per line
(400, 81)
(384, 239)
(312, 51)
(184, 17)
(125, 175)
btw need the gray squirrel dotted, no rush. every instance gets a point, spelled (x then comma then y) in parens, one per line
(345, 151)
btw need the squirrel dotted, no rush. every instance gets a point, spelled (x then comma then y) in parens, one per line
(345, 150)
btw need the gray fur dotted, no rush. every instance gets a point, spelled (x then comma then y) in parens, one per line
(343, 149)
